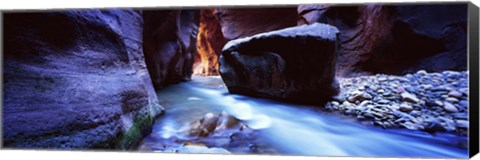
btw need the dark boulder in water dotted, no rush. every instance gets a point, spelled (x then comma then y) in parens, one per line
(294, 64)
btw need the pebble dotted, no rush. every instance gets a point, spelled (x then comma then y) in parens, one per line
(463, 103)
(382, 79)
(455, 94)
(451, 99)
(416, 113)
(406, 107)
(439, 103)
(381, 91)
(335, 103)
(384, 101)
(359, 96)
(462, 124)
(409, 97)
(450, 107)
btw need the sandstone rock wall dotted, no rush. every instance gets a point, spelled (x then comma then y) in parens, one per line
(395, 39)
(218, 25)
(210, 42)
(78, 79)
(244, 22)
(169, 38)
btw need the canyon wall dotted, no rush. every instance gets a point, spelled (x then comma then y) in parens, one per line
(78, 79)
(218, 25)
(395, 39)
(243, 22)
(374, 38)
(170, 47)
(210, 42)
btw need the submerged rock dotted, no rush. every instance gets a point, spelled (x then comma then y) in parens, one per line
(293, 64)
(210, 124)
(213, 133)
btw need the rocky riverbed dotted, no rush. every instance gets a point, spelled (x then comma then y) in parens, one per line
(431, 102)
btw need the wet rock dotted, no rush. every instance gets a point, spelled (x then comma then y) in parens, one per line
(226, 121)
(210, 124)
(279, 64)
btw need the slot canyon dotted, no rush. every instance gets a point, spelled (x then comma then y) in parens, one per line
(332, 80)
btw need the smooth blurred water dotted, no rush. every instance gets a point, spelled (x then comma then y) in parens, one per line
(296, 129)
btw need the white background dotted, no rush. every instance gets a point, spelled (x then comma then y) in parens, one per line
(83, 155)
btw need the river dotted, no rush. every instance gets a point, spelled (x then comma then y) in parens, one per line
(291, 129)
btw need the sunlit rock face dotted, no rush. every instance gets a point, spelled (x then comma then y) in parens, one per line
(395, 39)
(169, 38)
(75, 79)
(243, 22)
(210, 41)
(294, 64)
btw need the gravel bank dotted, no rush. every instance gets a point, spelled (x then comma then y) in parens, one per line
(431, 102)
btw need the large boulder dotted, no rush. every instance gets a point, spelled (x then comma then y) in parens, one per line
(75, 79)
(293, 64)
(169, 38)
(395, 39)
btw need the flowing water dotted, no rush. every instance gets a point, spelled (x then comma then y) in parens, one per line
(294, 129)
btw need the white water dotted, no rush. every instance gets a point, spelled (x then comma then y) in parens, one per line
(295, 129)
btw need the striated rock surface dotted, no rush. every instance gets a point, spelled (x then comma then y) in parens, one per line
(76, 79)
(395, 39)
(169, 38)
(210, 42)
(292, 64)
(244, 22)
